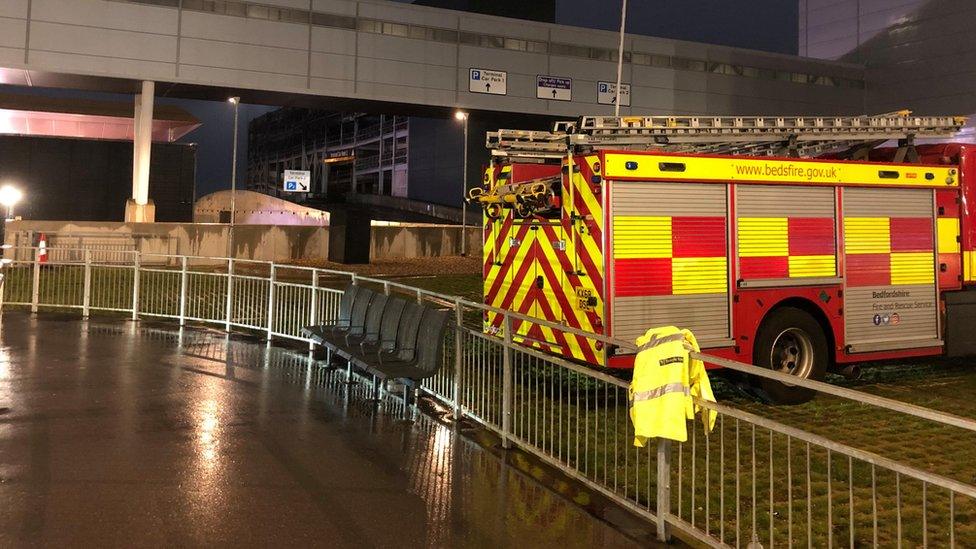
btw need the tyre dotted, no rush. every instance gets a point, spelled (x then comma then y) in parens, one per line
(790, 341)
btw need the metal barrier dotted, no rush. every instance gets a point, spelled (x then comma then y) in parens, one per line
(752, 482)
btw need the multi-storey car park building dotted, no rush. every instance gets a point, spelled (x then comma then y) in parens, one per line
(345, 152)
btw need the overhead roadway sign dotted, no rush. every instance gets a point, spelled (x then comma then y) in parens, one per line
(488, 81)
(555, 88)
(297, 181)
(606, 93)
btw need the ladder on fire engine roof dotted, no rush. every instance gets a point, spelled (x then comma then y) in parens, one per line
(734, 135)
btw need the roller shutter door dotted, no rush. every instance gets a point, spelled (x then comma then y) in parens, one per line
(891, 295)
(670, 266)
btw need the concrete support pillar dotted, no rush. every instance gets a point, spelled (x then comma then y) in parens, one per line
(139, 209)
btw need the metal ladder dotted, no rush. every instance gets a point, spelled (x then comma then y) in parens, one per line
(734, 135)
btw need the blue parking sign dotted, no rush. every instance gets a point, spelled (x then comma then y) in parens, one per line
(291, 186)
(475, 74)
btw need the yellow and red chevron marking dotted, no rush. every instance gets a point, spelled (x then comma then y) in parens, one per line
(552, 270)
(786, 247)
(583, 261)
(500, 281)
(883, 251)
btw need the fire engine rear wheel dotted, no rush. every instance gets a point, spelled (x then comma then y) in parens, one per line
(792, 342)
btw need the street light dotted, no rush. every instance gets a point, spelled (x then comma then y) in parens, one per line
(620, 56)
(236, 101)
(9, 197)
(462, 117)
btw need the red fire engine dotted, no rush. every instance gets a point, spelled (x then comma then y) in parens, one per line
(790, 243)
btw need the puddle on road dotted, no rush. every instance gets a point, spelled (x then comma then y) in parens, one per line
(469, 484)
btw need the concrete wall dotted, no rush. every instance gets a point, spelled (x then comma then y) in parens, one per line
(409, 240)
(387, 52)
(260, 242)
(256, 209)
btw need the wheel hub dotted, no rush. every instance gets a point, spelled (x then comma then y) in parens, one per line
(792, 353)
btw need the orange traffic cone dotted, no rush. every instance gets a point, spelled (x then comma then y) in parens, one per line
(42, 249)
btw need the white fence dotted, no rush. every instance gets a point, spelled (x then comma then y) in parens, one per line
(752, 482)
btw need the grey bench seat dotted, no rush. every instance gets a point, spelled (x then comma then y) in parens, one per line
(389, 337)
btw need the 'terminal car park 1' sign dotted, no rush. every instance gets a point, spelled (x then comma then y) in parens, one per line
(488, 81)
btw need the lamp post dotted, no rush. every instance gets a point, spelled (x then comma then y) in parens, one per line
(236, 101)
(9, 197)
(620, 57)
(462, 117)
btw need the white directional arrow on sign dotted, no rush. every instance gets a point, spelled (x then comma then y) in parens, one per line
(488, 81)
(297, 181)
(555, 88)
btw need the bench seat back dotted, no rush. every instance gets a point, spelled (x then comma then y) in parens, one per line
(430, 341)
(407, 328)
(357, 319)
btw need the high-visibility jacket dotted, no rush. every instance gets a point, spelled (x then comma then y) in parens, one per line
(666, 380)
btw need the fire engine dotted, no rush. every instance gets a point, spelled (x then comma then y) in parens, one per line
(801, 244)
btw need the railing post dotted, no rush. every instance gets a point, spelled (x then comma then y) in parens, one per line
(86, 295)
(3, 286)
(271, 301)
(183, 290)
(36, 281)
(663, 488)
(458, 325)
(314, 312)
(229, 306)
(136, 265)
(507, 384)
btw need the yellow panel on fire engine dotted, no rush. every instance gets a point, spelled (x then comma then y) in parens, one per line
(695, 168)
(948, 235)
(867, 235)
(642, 236)
(763, 237)
(699, 275)
(969, 266)
(913, 268)
(813, 266)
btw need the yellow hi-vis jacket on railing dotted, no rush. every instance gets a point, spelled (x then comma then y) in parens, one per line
(666, 380)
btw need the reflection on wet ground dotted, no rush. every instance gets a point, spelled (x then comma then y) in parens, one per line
(121, 433)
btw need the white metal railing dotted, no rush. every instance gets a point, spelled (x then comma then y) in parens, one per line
(754, 481)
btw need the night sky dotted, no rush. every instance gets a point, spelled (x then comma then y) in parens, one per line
(768, 25)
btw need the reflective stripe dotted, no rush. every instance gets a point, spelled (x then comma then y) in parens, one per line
(655, 341)
(661, 391)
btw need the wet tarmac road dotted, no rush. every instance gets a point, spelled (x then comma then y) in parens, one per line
(126, 434)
